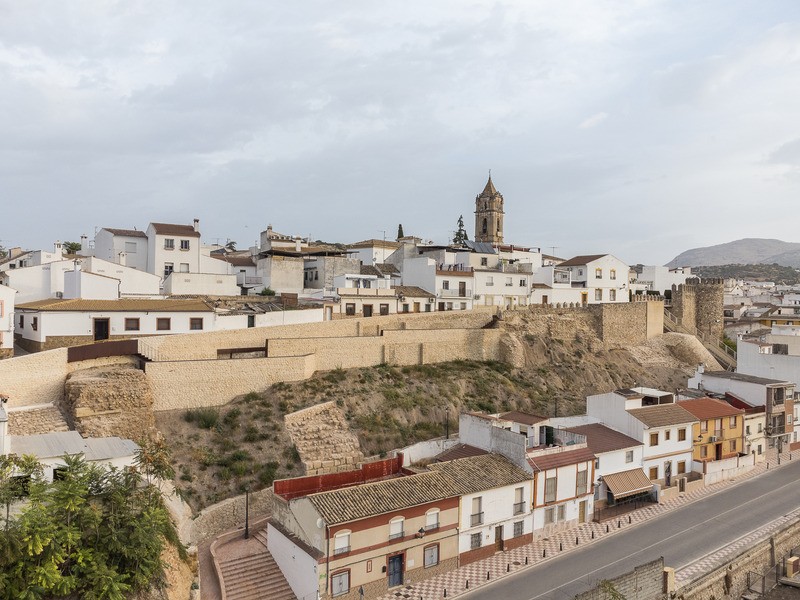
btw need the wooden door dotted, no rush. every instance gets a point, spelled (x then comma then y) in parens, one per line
(101, 330)
(498, 537)
(582, 512)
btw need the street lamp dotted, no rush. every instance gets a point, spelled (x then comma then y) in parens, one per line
(247, 513)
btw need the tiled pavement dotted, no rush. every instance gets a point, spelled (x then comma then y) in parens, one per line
(501, 564)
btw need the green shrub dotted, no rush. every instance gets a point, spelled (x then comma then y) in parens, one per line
(205, 418)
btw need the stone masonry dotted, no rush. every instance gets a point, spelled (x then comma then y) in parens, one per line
(38, 420)
(698, 306)
(323, 439)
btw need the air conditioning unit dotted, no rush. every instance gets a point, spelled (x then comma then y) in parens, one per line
(431, 300)
(59, 294)
(713, 438)
(477, 297)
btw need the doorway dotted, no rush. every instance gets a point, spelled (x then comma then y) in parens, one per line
(544, 300)
(416, 306)
(395, 570)
(582, 511)
(101, 330)
(498, 538)
(718, 452)
(368, 310)
(462, 289)
(584, 298)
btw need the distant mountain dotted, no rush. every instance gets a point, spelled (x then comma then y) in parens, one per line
(747, 251)
(760, 272)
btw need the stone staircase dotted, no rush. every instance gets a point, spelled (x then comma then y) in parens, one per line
(724, 355)
(255, 576)
(43, 418)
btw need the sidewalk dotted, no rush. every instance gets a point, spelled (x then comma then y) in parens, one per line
(481, 572)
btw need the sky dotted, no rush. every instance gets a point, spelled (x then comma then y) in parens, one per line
(636, 127)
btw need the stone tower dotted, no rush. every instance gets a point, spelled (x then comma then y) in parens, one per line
(489, 215)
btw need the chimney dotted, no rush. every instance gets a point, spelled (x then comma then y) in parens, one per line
(123, 259)
(14, 252)
(83, 241)
(297, 244)
(196, 224)
(58, 247)
(5, 441)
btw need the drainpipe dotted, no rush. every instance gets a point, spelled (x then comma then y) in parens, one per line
(327, 557)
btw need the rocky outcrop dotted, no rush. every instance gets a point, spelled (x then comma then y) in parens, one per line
(110, 401)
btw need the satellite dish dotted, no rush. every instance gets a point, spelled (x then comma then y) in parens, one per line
(320, 523)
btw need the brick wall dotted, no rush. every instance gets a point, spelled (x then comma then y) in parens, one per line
(645, 582)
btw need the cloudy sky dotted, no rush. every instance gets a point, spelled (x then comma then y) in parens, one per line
(637, 127)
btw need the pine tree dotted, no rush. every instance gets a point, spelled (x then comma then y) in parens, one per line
(400, 231)
(461, 234)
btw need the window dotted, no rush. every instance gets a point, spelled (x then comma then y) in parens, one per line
(427, 307)
(184, 244)
(196, 323)
(475, 541)
(163, 324)
(596, 463)
(168, 269)
(653, 472)
(509, 281)
(350, 309)
(667, 434)
(629, 456)
(463, 306)
(406, 308)
(484, 261)
(747, 430)
(682, 435)
(316, 275)
(612, 295)
(759, 448)
(703, 451)
(340, 583)
(760, 428)
(654, 439)
(519, 528)
(613, 274)
(523, 283)
(732, 446)
(581, 482)
(562, 512)
(445, 285)
(681, 467)
(130, 247)
(131, 324)
(184, 267)
(432, 519)
(21, 321)
(169, 244)
(580, 271)
(598, 294)
(384, 309)
(396, 528)
(251, 320)
(431, 554)
(703, 426)
(490, 281)
(35, 323)
(732, 423)
(476, 518)
(519, 501)
(550, 489)
(598, 273)
(341, 543)
(550, 515)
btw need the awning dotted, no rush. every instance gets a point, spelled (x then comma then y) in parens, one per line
(628, 483)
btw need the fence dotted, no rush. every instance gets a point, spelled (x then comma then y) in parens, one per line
(102, 350)
(622, 507)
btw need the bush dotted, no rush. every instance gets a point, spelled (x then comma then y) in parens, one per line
(205, 418)
(267, 291)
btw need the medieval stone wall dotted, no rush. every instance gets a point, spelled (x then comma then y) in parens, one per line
(645, 582)
(698, 306)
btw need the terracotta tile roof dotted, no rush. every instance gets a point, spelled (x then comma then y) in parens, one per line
(373, 242)
(121, 305)
(126, 232)
(370, 270)
(237, 260)
(387, 268)
(662, 415)
(578, 261)
(484, 472)
(601, 439)
(412, 291)
(628, 483)
(174, 229)
(362, 501)
(460, 451)
(521, 417)
(560, 459)
(710, 408)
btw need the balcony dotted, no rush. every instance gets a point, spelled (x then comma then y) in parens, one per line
(519, 508)
(476, 519)
(342, 550)
(397, 536)
(242, 279)
(465, 293)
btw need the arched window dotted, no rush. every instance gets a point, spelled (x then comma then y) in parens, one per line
(341, 542)
(396, 528)
(432, 519)
(485, 226)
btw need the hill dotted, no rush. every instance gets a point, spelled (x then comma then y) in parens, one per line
(746, 251)
(762, 272)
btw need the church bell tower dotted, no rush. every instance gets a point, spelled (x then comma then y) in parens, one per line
(489, 215)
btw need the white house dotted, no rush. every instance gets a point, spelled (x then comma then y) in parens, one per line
(372, 252)
(7, 321)
(495, 504)
(653, 418)
(132, 280)
(37, 281)
(452, 284)
(126, 247)
(172, 247)
(660, 279)
(553, 285)
(603, 277)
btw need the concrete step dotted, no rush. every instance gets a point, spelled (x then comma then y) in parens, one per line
(256, 576)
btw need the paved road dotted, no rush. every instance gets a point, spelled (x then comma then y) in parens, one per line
(682, 537)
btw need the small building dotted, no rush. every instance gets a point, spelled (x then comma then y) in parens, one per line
(599, 278)
(719, 434)
(172, 247)
(7, 299)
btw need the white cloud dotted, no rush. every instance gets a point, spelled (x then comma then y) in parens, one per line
(594, 120)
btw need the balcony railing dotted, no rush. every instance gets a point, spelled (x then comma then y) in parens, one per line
(519, 508)
(395, 536)
(476, 519)
(432, 526)
(342, 550)
(466, 293)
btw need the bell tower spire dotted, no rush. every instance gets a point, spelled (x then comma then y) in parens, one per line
(489, 214)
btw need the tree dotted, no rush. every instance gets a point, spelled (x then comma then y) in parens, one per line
(230, 246)
(461, 234)
(400, 231)
(72, 247)
(3, 251)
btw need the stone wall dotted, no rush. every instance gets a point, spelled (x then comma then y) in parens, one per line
(34, 379)
(6, 353)
(33, 421)
(109, 401)
(323, 439)
(226, 515)
(645, 582)
(698, 306)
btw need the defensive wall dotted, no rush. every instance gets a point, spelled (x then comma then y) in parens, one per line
(698, 306)
(645, 582)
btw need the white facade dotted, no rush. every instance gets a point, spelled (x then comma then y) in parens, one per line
(604, 279)
(484, 511)
(90, 286)
(124, 248)
(660, 279)
(132, 281)
(565, 509)
(37, 282)
(235, 320)
(193, 284)
(7, 300)
(168, 252)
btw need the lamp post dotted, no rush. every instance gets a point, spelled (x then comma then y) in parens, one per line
(247, 513)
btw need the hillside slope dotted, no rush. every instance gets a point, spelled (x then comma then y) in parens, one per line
(744, 251)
